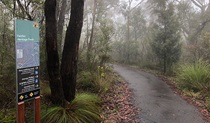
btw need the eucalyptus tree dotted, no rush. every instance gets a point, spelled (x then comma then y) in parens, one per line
(198, 39)
(194, 18)
(63, 82)
(6, 42)
(133, 29)
(29, 10)
(7, 57)
(138, 34)
(98, 14)
(62, 10)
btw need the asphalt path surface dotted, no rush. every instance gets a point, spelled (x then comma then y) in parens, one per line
(157, 102)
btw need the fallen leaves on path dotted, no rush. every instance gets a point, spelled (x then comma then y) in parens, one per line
(118, 104)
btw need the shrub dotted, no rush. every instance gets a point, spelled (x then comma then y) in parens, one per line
(7, 116)
(86, 81)
(83, 109)
(95, 81)
(45, 88)
(208, 103)
(7, 85)
(195, 77)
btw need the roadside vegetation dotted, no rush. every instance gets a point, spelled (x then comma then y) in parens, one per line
(195, 78)
(194, 81)
(83, 109)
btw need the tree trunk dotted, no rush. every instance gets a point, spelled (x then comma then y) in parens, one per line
(61, 20)
(92, 32)
(128, 60)
(164, 63)
(57, 96)
(70, 51)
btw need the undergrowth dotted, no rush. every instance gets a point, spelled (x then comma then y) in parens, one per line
(83, 109)
(194, 81)
(195, 77)
(7, 116)
(97, 81)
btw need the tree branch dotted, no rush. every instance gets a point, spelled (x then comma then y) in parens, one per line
(197, 4)
(12, 10)
(22, 8)
(199, 29)
(137, 5)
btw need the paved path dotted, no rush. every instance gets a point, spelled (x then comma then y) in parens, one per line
(156, 100)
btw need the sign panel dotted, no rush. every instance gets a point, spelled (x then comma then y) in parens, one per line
(27, 60)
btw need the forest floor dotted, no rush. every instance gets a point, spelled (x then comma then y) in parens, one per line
(118, 104)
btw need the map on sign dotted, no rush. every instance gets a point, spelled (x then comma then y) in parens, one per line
(27, 54)
(27, 44)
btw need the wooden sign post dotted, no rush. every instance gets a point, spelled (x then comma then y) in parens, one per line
(21, 112)
(37, 110)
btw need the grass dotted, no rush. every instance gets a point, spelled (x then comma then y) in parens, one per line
(8, 116)
(95, 81)
(194, 77)
(45, 88)
(83, 109)
(208, 103)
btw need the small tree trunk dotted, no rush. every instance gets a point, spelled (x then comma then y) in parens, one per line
(89, 48)
(164, 63)
(70, 51)
(57, 96)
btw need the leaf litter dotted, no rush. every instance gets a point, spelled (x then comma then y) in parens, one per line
(118, 104)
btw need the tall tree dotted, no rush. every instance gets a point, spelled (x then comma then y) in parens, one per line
(70, 51)
(62, 11)
(127, 11)
(57, 96)
(97, 12)
(63, 82)
(89, 48)
(166, 43)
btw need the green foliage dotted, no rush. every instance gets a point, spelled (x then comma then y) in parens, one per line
(191, 94)
(208, 103)
(96, 81)
(45, 88)
(126, 52)
(83, 109)
(195, 77)
(7, 117)
(98, 50)
(85, 80)
(166, 43)
(7, 57)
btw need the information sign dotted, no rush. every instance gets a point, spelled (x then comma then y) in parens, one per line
(27, 60)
